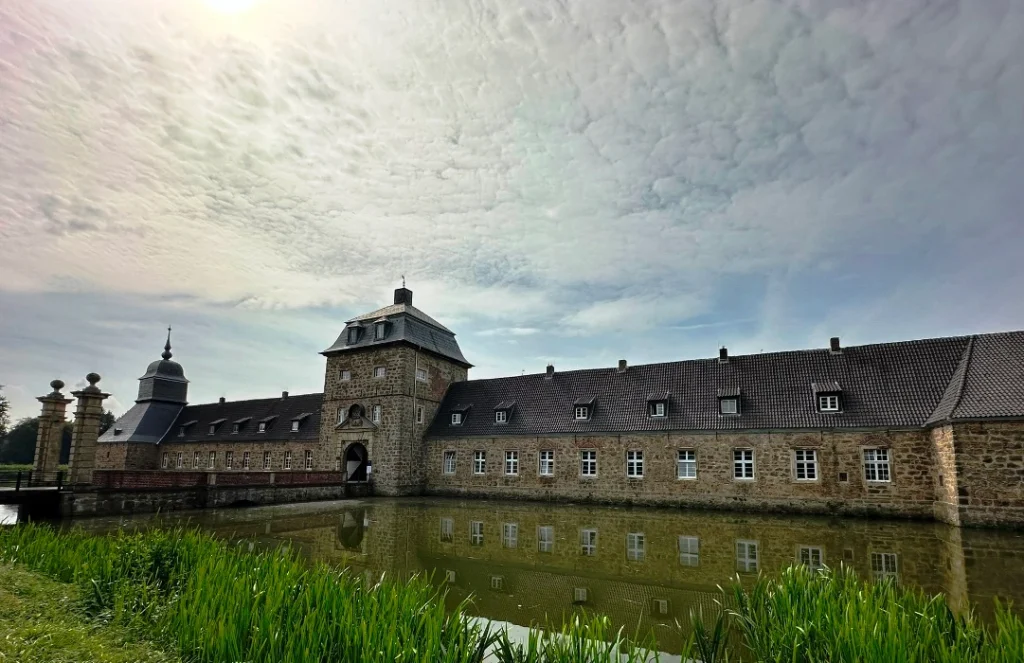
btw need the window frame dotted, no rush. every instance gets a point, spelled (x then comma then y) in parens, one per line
(476, 533)
(165, 461)
(658, 409)
(295, 425)
(422, 375)
(245, 461)
(195, 460)
(686, 462)
(345, 375)
(212, 429)
(380, 331)
(479, 462)
(377, 413)
(548, 463)
(738, 463)
(380, 372)
(445, 456)
(690, 557)
(748, 563)
(582, 412)
(287, 463)
(308, 460)
(267, 460)
(636, 547)
(546, 539)
(212, 460)
(510, 535)
(735, 406)
(810, 553)
(588, 542)
(456, 418)
(826, 402)
(876, 464)
(882, 571)
(805, 464)
(262, 427)
(447, 533)
(419, 414)
(635, 462)
(229, 460)
(501, 416)
(585, 463)
(511, 462)
(178, 461)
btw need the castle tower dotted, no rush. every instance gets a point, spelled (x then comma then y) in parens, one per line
(386, 376)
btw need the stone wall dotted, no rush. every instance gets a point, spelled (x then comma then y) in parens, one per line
(945, 508)
(839, 488)
(990, 472)
(126, 456)
(256, 449)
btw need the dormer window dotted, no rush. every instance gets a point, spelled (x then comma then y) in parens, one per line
(295, 426)
(380, 330)
(828, 396)
(235, 428)
(729, 400)
(213, 429)
(503, 412)
(583, 408)
(582, 412)
(459, 415)
(264, 424)
(297, 421)
(353, 334)
(500, 416)
(262, 427)
(456, 418)
(657, 405)
(181, 432)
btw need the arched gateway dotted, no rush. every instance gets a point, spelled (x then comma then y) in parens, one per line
(357, 462)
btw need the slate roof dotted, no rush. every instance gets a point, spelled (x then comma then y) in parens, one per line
(144, 422)
(407, 325)
(278, 411)
(888, 385)
(400, 309)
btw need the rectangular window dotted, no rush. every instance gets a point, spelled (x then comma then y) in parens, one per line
(500, 416)
(245, 460)
(545, 539)
(828, 403)
(376, 414)
(262, 428)
(686, 464)
(805, 464)
(229, 459)
(635, 464)
(165, 462)
(476, 533)
(379, 371)
(479, 462)
(342, 412)
(195, 460)
(213, 459)
(743, 463)
(510, 535)
(309, 460)
(447, 530)
(582, 411)
(884, 566)
(345, 375)
(235, 428)
(295, 426)
(512, 463)
(658, 409)
(635, 547)
(181, 432)
(546, 463)
(812, 557)
(746, 556)
(177, 460)
(288, 460)
(588, 463)
(456, 418)
(449, 462)
(266, 460)
(212, 430)
(378, 331)
(588, 542)
(729, 406)
(876, 465)
(419, 414)
(689, 550)
(421, 374)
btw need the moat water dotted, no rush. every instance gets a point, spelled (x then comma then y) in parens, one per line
(535, 563)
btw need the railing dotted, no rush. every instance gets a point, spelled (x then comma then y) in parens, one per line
(25, 479)
(163, 479)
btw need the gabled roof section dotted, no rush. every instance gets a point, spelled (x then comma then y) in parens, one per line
(388, 312)
(887, 385)
(306, 406)
(146, 422)
(988, 382)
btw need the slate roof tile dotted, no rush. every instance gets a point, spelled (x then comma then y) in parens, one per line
(279, 410)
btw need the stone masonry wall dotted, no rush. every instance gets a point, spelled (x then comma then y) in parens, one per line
(946, 483)
(990, 472)
(256, 448)
(840, 487)
(126, 456)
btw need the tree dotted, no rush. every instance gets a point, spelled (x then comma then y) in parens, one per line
(5, 415)
(19, 447)
(107, 420)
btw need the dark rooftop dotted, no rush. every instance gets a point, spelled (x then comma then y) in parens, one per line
(278, 413)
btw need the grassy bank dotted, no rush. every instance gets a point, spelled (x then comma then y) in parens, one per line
(213, 602)
(40, 621)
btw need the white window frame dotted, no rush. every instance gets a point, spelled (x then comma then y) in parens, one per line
(510, 535)
(479, 462)
(813, 557)
(885, 566)
(501, 416)
(476, 533)
(686, 464)
(380, 331)
(213, 460)
(342, 414)
(582, 413)
(456, 418)
(659, 410)
(747, 556)
(545, 538)
(588, 463)
(262, 428)
(588, 542)
(732, 408)
(295, 425)
(635, 464)
(511, 463)
(235, 428)
(689, 550)
(245, 460)
(636, 547)
(195, 460)
(267, 460)
(877, 465)
(422, 375)
(178, 461)
(377, 413)
(741, 463)
(447, 534)
(828, 403)
(419, 414)
(449, 462)
(345, 375)
(287, 460)
(309, 460)
(380, 371)
(229, 460)
(212, 429)
(165, 462)
(805, 463)
(546, 463)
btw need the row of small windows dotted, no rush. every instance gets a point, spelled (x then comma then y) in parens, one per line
(376, 413)
(262, 426)
(805, 464)
(884, 565)
(345, 374)
(657, 407)
(229, 460)
(381, 329)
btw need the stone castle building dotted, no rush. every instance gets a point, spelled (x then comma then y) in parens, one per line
(931, 428)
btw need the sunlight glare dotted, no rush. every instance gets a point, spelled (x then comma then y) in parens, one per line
(231, 6)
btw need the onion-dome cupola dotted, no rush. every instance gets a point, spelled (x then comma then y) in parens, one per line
(164, 379)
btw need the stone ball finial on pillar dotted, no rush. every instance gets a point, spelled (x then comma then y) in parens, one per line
(92, 379)
(56, 385)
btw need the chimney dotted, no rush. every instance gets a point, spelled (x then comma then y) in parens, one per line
(223, 400)
(622, 366)
(834, 347)
(723, 355)
(403, 296)
(284, 395)
(551, 371)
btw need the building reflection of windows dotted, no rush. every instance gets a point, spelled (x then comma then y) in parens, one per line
(689, 550)
(476, 533)
(746, 556)
(885, 566)
(447, 530)
(588, 542)
(635, 547)
(510, 535)
(813, 557)
(545, 539)
(352, 529)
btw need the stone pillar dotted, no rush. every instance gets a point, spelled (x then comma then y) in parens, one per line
(51, 430)
(86, 431)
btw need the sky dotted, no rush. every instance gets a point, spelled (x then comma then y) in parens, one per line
(565, 181)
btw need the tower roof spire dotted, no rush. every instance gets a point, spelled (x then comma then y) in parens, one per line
(167, 347)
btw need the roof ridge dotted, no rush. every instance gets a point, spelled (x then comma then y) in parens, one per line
(257, 400)
(968, 354)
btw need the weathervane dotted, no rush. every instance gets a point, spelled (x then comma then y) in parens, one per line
(403, 280)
